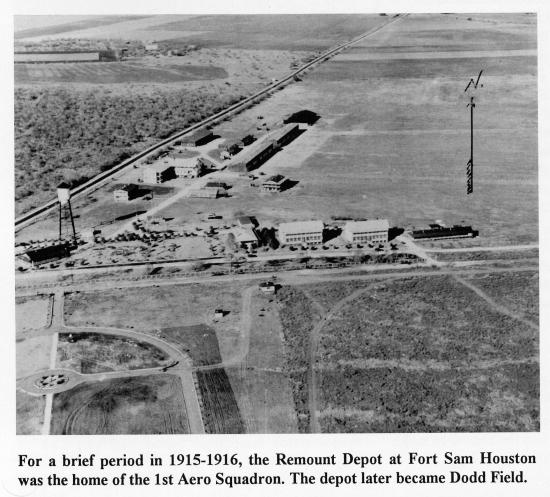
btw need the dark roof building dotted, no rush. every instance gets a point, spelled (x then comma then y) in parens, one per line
(49, 253)
(303, 117)
(198, 138)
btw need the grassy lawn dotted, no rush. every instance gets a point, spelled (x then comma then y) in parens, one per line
(30, 413)
(143, 405)
(95, 353)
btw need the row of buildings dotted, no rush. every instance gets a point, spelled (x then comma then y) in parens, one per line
(254, 157)
(311, 232)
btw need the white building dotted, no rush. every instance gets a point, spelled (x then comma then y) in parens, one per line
(158, 173)
(371, 231)
(301, 232)
(184, 167)
(246, 237)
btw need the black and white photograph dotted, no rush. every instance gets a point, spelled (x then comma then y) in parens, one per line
(276, 223)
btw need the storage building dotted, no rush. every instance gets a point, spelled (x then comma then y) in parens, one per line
(198, 138)
(254, 157)
(301, 232)
(286, 134)
(125, 193)
(274, 183)
(158, 173)
(370, 231)
(49, 253)
(207, 192)
(184, 166)
(246, 238)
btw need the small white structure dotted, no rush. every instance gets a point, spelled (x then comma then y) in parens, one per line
(158, 173)
(301, 232)
(370, 231)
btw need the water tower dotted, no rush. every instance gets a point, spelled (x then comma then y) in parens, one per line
(65, 210)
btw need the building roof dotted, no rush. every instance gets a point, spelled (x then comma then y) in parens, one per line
(365, 226)
(298, 227)
(281, 132)
(247, 221)
(277, 178)
(130, 187)
(158, 167)
(40, 254)
(248, 154)
(197, 135)
(244, 235)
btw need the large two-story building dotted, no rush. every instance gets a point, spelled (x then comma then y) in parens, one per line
(370, 231)
(310, 232)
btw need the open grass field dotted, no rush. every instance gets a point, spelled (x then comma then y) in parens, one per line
(268, 32)
(32, 354)
(96, 353)
(420, 354)
(393, 138)
(113, 73)
(198, 341)
(264, 398)
(30, 413)
(220, 411)
(298, 317)
(181, 314)
(141, 405)
(32, 313)
(518, 292)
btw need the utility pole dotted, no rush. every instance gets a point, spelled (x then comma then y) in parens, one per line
(470, 165)
(473, 84)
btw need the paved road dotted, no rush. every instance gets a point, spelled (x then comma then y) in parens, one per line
(183, 369)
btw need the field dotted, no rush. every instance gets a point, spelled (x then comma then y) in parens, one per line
(518, 292)
(393, 138)
(32, 354)
(439, 358)
(489, 255)
(30, 413)
(220, 411)
(113, 73)
(96, 353)
(32, 313)
(181, 314)
(143, 405)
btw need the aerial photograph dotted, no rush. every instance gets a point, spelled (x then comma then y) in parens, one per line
(283, 223)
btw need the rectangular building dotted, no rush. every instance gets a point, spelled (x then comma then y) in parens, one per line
(158, 173)
(184, 166)
(125, 193)
(198, 138)
(254, 157)
(246, 238)
(301, 232)
(274, 183)
(285, 134)
(370, 231)
(207, 192)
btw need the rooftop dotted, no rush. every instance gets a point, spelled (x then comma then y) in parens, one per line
(243, 235)
(369, 225)
(158, 167)
(277, 178)
(279, 133)
(301, 227)
(127, 188)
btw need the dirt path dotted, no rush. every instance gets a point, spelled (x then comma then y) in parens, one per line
(497, 307)
(315, 336)
(500, 248)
